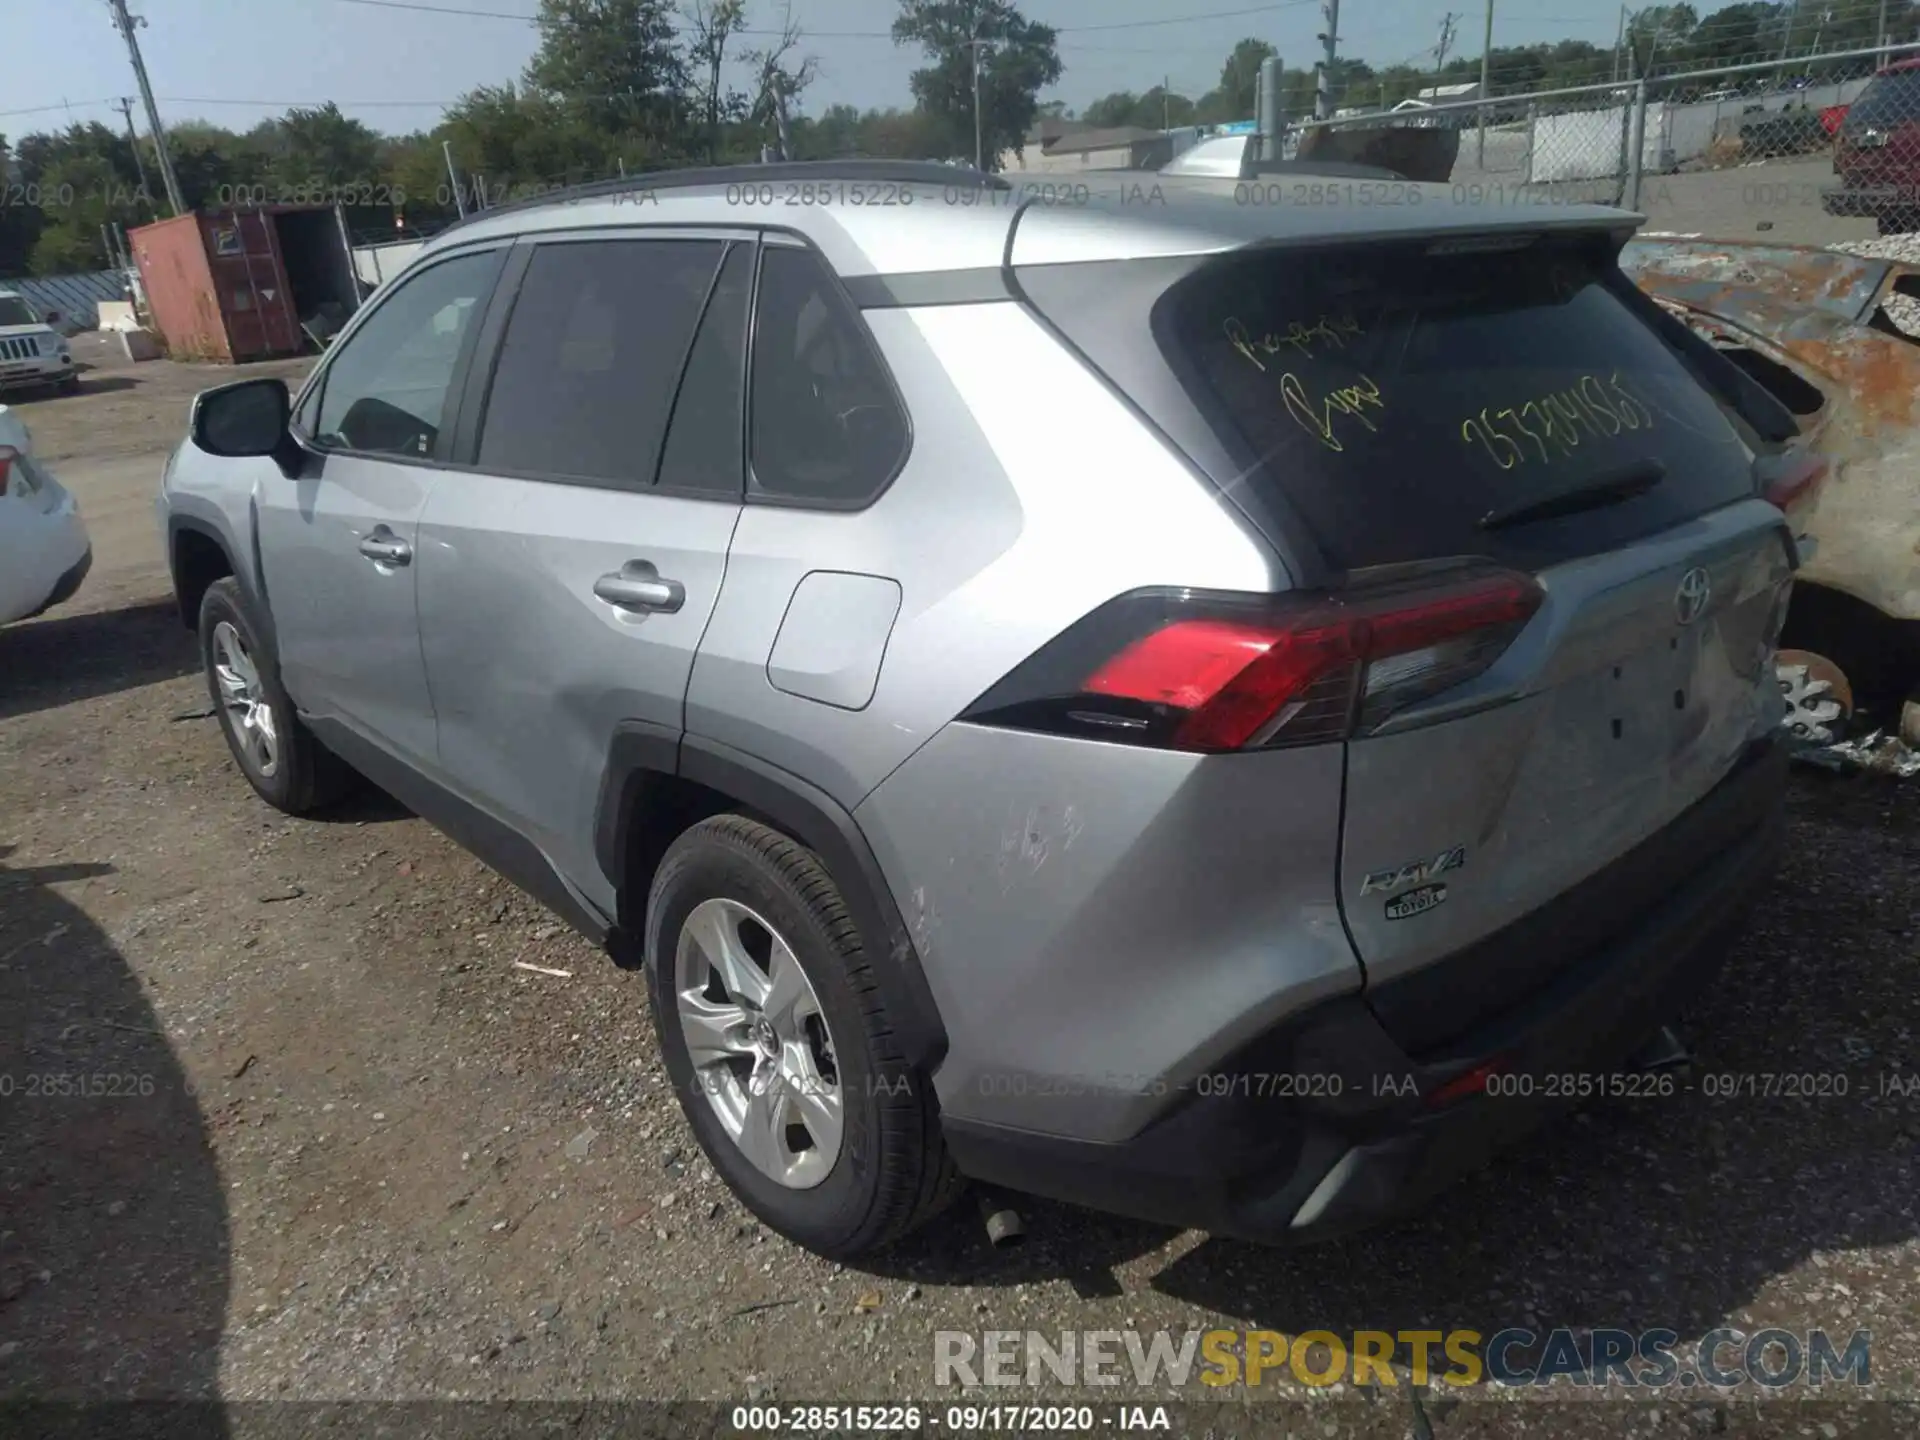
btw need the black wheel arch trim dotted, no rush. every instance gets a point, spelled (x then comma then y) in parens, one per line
(811, 816)
(191, 515)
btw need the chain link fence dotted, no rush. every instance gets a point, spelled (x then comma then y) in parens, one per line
(1817, 151)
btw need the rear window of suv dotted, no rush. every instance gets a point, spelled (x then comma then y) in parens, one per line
(1417, 402)
(1888, 103)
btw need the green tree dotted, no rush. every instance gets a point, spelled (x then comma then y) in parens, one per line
(1155, 110)
(65, 186)
(1017, 59)
(1111, 110)
(1234, 97)
(613, 64)
(714, 24)
(211, 163)
(317, 149)
(1660, 32)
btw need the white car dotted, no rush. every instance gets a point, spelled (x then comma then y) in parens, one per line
(44, 552)
(32, 352)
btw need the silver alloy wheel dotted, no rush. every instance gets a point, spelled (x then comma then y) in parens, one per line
(1811, 708)
(248, 710)
(759, 1043)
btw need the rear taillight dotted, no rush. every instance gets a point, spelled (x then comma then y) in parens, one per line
(1191, 670)
(7, 456)
(1787, 481)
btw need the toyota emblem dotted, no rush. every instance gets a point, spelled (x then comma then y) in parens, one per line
(1690, 600)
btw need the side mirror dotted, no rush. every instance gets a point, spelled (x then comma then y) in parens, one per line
(50, 317)
(248, 417)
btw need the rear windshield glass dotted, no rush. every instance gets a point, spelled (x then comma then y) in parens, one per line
(1413, 405)
(1889, 102)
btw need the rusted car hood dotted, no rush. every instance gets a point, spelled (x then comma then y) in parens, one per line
(1700, 272)
(1815, 311)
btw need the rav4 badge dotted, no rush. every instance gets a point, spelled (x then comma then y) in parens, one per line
(1417, 872)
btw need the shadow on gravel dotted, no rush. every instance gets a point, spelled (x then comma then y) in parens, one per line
(59, 659)
(114, 1263)
(1668, 1213)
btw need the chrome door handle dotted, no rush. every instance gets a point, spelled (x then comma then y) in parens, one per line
(386, 548)
(638, 587)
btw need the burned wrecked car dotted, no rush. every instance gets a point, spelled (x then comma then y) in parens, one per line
(1818, 329)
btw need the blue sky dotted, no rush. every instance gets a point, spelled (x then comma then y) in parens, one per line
(237, 61)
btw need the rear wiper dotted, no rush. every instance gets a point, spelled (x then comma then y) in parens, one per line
(1612, 488)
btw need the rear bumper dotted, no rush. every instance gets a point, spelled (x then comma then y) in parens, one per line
(66, 586)
(1869, 201)
(1325, 1126)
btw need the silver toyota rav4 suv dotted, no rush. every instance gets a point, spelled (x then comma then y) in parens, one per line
(1198, 708)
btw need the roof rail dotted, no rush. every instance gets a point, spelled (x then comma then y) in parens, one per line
(899, 172)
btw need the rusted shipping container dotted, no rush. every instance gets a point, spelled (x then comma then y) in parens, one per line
(238, 285)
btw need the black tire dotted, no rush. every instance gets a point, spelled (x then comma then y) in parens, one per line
(893, 1171)
(305, 775)
(1903, 221)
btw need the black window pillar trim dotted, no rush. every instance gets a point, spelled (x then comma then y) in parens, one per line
(812, 817)
(484, 358)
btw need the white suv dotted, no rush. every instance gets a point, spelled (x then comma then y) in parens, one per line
(32, 352)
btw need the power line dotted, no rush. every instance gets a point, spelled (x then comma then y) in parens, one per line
(59, 105)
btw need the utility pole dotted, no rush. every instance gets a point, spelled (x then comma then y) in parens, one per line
(1440, 50)
(1166, 102)
(125, 24)
(1819, 33)
(1486, 83)
(1323, 86)
(453, 179)
(125, 106)
(979, 130)
(1884, 58)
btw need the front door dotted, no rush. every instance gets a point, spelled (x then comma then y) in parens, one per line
(566, 578)
(338, 543)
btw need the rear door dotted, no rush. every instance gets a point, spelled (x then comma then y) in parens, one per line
(1507, 401)
(569, 565)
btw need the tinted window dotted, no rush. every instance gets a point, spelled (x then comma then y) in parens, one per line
(826, 424)
(704, 442)
(1403, 402)
(385, 390)
(15, 311)
(592, 355)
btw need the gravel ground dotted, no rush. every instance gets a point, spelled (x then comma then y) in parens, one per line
(349, 1151)
(1903, 310)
